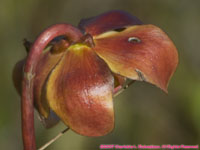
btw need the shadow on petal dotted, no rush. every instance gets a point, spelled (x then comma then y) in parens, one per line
(80, 90)
(141, 52)
(46, 63)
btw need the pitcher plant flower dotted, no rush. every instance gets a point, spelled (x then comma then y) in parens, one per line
(74, 72)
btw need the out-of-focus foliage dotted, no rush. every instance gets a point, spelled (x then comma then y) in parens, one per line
(144, 114)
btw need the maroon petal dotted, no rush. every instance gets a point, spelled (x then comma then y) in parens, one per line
(111, 20)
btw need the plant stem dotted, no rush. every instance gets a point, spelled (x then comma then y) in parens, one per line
(124, 88)
(28, 131)
(54, 139)
(65, 130)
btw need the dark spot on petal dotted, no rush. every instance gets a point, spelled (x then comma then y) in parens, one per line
(119, 29)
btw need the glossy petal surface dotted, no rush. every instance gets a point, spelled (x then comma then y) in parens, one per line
(79, 90)
(108, 21)
(142, 52)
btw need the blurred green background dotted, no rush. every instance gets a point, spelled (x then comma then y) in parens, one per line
(144, 114)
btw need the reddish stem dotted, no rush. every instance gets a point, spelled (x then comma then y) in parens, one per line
(41, 42)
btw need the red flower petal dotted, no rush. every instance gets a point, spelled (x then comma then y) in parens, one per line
(46, 63)
(108, 21)
(79, 90)
(142, 52)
